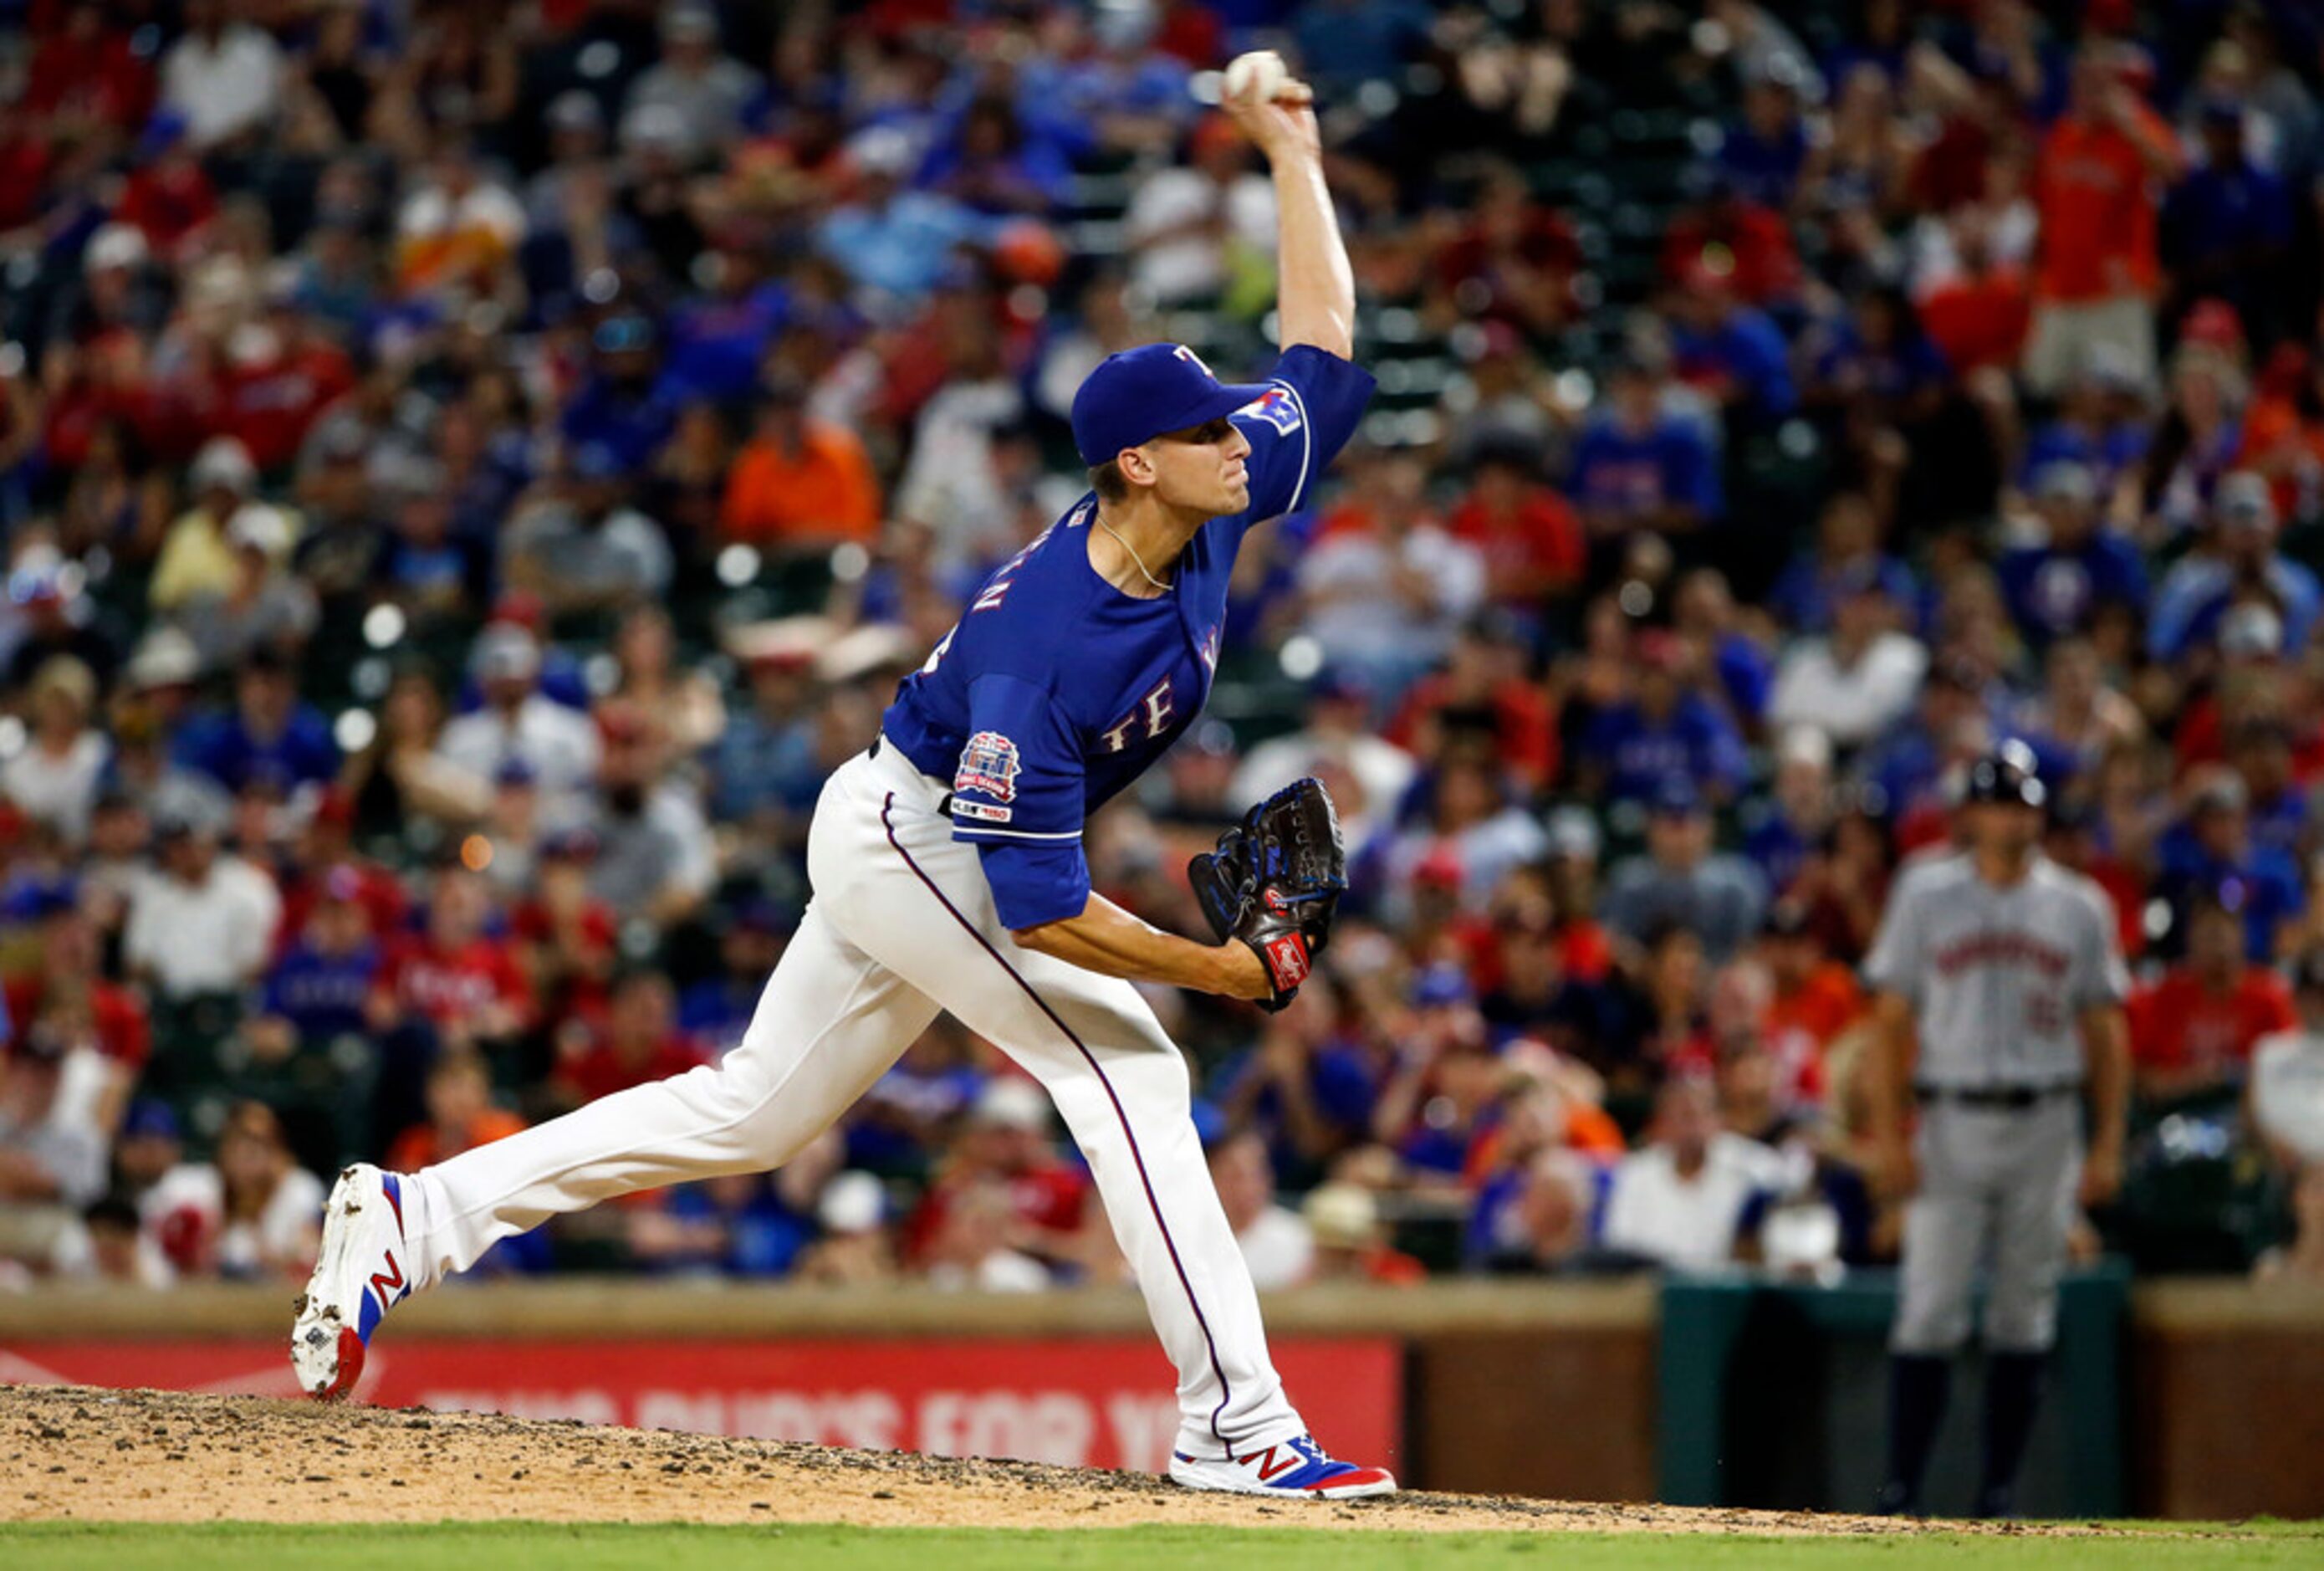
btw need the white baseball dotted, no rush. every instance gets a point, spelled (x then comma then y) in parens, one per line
(1258, 76)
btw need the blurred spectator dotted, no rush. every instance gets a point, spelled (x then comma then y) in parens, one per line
(1681, 882)
(202, 922)
(2226, 230)
(1859, 681)
(261, 1214)
(461, 1117)
(2193, 1030)
(52, 1147)
(196, 558)
(654, 857)
(891, 241)
(1639, 467)
(1797, 813)
(1192, 226)
(801, 483)
(2238, 559)
(2081, 569)
(854, 1246)
(2287, 1077)
(271, 735)
(1276, 1241)
(224, 76)
(518, 721)
(54, 778)
(1336, 742)
(322, 984)
(1664, 731)
(2096, 184)
(1025, 1205)
(1385, 587)
(455, 979)
(1680, 1199)
(1530, 540)
(2302, 1259)
(583, 549)
(969, 1247)
(639, 1041)
(1343, 1218)
(2210, 854)
(400, 780)
(694, 79)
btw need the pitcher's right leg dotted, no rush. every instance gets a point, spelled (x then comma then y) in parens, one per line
(829, 1024)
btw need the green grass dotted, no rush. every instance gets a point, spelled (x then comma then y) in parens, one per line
(522, 1546)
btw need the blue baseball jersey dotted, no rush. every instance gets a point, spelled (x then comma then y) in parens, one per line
(1056, 689)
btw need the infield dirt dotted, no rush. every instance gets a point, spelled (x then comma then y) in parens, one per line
(77, 1453)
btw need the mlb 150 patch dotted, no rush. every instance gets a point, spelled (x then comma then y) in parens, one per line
(988, 767)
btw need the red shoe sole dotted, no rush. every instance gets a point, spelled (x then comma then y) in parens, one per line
(351, 1363)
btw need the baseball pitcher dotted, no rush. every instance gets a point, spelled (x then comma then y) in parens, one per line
(2000, 997)
(948, 874)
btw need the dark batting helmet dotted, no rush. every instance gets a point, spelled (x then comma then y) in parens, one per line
(2008, 774)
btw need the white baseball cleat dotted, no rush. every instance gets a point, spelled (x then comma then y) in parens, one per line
(361, 1271)
(1296, 1468)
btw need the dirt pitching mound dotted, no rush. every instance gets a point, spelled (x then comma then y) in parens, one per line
(83, 1453)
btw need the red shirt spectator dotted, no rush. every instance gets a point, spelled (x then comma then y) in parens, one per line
(88, 68)
(1979, 318)
(110, 1018)
(167, 199)
(1766, 264)
(1007, 1142)
(1530, 538)
(641, 1042)
(269, 404)
(1480, 685)
(2194, 1030)
(468, 984)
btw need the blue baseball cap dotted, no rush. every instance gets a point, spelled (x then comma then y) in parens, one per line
(1135, 396)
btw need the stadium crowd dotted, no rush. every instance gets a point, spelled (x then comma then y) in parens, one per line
(470, 470)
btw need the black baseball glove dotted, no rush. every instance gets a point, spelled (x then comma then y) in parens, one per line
(1275, 883)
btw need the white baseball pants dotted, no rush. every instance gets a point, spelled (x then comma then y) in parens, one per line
(902, 926)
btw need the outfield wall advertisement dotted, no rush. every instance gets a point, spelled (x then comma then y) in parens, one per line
(1101, 1403)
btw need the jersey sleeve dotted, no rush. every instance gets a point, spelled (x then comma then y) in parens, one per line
(1313, 402)
(2100, 975)
(1893, 962)
(1018, 795)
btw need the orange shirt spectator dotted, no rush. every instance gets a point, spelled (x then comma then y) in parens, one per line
(801, 481)
(460, 1116)
(2094, 185)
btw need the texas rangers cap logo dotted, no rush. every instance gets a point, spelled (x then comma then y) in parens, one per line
(988, 766)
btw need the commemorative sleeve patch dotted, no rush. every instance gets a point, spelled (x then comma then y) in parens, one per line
(1277, 407)
(988, 767)
(962, 807)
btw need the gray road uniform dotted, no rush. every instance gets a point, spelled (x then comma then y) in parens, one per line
(1997, 979)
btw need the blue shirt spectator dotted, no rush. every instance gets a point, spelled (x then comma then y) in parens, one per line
(2056, 588)
(269, 736)
(1638, 467)
(1665, 732)
(2197, 592)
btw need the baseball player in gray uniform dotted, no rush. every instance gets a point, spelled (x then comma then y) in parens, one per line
(1999, 997)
